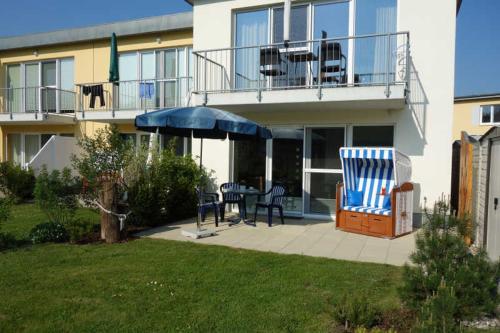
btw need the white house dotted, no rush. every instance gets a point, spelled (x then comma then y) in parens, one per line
(354, 73)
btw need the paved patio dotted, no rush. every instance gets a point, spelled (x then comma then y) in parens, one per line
(297, 236)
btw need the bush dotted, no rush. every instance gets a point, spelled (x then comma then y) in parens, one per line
(6, 240)
(442, 256)
(163, 190)
(79, 230)
(48, 232)
(16, 182)
(354, 311)
(437, 313)
(56, 194)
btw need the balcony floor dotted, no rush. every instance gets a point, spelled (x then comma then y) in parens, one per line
(297, 236)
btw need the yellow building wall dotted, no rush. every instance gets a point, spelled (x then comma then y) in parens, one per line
(91, 65)
(463, 114)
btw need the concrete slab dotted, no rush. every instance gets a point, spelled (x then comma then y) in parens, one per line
(297, 236)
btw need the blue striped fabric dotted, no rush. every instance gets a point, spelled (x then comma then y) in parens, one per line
(364, 209)
(368, 170)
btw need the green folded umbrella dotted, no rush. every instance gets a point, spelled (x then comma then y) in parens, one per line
(114, 75)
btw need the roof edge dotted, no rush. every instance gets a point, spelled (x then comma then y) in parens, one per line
(171, 22)
(477, 97)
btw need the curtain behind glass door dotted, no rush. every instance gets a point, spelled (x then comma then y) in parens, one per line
(67, 98)
(251, 30)
(32, 84)
(13, 95)
(375, 56)
(49, 84)
(128, 89)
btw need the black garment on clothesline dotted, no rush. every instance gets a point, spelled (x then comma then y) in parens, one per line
(94, 91)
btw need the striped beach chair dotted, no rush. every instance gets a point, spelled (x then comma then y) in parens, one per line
(376, 197)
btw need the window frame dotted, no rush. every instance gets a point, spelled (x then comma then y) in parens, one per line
(492, 121)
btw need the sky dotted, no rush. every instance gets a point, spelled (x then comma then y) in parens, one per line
(478, 32)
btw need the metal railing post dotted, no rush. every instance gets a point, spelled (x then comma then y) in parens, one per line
(205, 95)
(408, 65)
(388, 61)
(320, 79)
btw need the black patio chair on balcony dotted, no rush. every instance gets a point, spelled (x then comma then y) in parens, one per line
(229, 197)
(277, 195)
(271, 62)
(332, 63)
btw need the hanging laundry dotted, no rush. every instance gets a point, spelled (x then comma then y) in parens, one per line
(94, 91)
(147, 90)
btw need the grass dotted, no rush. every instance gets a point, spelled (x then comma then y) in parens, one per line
(26, 216)
(156, 285)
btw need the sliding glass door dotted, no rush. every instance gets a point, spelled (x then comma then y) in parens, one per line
(251, 31)
(287, 157)
(323, 169)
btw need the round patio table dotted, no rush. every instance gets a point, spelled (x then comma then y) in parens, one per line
(244, 193)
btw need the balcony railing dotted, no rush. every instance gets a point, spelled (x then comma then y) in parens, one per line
(37, 100)
(380, 59)
(134, 95)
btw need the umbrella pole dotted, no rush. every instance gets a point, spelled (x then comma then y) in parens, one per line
(198, 219)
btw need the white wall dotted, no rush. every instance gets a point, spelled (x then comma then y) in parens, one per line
(55, 154)
(423, 128)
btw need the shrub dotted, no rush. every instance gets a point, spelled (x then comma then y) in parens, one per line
(79, 230)
(163, 190)
(374, 330)
(353, 311)
(56, 195)
(16, 182)
(442, 256)
(437, 313)
(6, 240)
(48, 232)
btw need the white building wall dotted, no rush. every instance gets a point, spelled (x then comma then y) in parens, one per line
(423, 130)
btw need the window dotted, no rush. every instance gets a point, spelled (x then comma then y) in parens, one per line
(373, 136)
(155, 79)
(28, 79)
(490, 114)
(182, 145)
(21, 148)
(298, 30)
(371, 63)
(251, 30)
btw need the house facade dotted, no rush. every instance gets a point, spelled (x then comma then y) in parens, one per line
(352, 73)
(475, 114)
(56, 83)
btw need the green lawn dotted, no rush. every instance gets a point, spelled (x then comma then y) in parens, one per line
(159, 286)
(26, 216)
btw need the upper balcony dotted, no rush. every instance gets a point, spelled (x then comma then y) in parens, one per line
(105, 101)
(366, 72)
(37, 104)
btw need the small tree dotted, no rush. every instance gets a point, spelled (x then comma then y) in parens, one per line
(444, 267)
(101, 163)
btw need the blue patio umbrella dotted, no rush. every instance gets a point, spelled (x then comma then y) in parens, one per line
(203, 123)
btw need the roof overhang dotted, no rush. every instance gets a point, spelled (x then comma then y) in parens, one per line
(477, 97)
(163, 23)
(459, 4)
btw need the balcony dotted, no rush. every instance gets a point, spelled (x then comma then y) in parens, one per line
(36, 104)
(104, 101)
(370, 70)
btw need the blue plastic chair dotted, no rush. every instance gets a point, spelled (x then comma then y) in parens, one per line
(277, 195)
(208, 201)
(229, 197)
